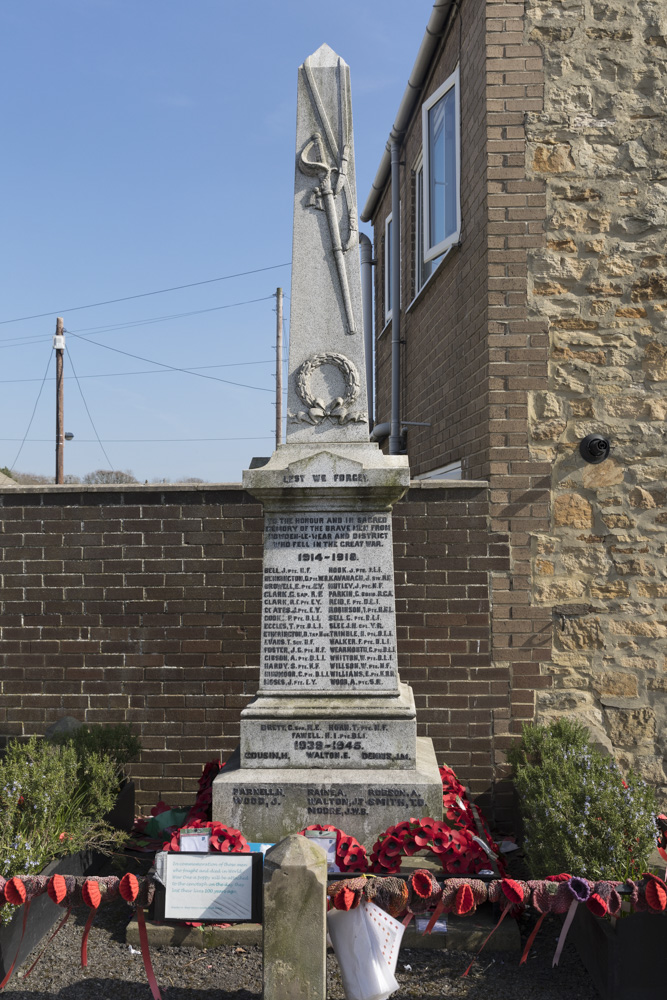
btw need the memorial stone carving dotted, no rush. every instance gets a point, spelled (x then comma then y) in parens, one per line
(331, 735)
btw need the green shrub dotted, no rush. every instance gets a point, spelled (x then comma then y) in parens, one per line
(580, 814)
(117, 742)
(52, 804)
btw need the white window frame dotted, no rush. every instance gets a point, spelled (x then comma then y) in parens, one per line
(421, 265)
(387, 269)
(454, 470)
(453, 81)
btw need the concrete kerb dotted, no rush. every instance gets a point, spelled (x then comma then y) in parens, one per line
(463, 934)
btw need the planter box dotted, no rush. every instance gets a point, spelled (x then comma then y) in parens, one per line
(121, 816)
(625, 962)
(43, 912)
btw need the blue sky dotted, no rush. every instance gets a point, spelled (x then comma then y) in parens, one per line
(148, 145)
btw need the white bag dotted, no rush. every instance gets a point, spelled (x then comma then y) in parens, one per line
(366, 942)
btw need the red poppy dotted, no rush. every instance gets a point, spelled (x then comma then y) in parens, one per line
(411, 844)
(464, 901)
(391, 847)
(161, 807)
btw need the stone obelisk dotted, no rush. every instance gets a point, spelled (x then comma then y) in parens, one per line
(331, 736)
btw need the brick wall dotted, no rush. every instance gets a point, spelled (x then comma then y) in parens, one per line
(519, 480)
(136, 605)
(475, 352)
(443, 557)
(443, 370)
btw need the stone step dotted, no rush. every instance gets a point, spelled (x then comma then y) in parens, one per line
(463, 934)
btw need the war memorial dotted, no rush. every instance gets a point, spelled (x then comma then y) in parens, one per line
(331, 736)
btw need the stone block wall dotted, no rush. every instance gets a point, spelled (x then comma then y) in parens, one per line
(599, 278)
(131, 604)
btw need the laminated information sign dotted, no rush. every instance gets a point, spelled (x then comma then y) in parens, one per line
(212, 888)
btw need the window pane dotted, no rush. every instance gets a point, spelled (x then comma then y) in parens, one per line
(442, 168)
(425, 268)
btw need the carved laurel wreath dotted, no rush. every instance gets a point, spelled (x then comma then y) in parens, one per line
(339, 361)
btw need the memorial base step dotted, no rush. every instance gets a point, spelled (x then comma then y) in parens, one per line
(267, 805)
(329, 732)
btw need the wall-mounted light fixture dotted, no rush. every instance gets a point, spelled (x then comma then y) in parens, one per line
(594, 448)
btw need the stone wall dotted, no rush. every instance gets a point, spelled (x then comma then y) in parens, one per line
(600, 278)
(131, 604)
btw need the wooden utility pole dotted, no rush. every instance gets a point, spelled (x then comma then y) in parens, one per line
(279, 366)
(59, 346)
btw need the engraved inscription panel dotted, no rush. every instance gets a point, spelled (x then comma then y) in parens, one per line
(328, 620)
(327, 743)
(332, 800)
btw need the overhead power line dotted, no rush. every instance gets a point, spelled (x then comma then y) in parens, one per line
(130, 324)
(143, 295)
(92, 424)
(172, 368)
(163, 319)
(144, 371)
(32, 415)
(265, 437)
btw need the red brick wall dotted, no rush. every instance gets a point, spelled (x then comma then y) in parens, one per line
(143, 606)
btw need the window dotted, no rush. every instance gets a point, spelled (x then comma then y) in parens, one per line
(423, 268)
(452, 471)
(441, 179)
(387, 268)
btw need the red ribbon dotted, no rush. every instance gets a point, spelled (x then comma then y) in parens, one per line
(531, 939)
(407, 918)
(145, 954)
(502, 917)
(26, 911)
(436, 913)
(61, 924)
(84, 939)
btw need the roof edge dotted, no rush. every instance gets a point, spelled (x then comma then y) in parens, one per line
(438, 19)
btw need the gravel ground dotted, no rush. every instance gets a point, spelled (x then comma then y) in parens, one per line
(233, 973)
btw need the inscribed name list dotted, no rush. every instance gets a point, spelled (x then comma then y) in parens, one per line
(328, 620)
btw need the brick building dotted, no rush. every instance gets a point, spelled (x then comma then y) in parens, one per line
(527, 162)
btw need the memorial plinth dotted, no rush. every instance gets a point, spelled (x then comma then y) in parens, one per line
(331, 736)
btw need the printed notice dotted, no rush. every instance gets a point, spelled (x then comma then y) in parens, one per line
(215, 887)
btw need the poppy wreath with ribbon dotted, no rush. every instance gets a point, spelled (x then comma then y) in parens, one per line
(224, 839)
(350, 854)
(201, 810)
(458, 810)
(458, 851)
